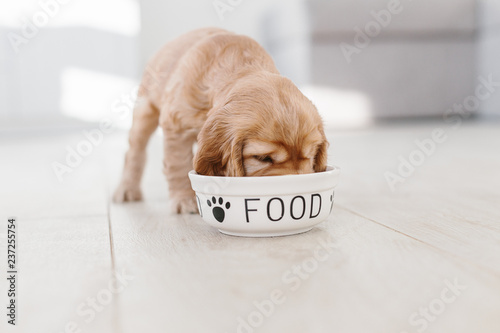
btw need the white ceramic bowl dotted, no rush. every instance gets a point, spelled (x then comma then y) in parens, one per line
(265, 206)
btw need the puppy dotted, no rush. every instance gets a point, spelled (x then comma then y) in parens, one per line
(223, 91)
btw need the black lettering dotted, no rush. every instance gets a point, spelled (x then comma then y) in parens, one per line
(269, 209)
(303, 207)
(311, 216)
(249, 210)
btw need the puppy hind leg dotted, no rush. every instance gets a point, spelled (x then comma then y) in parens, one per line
(177, 162)
(144, 123)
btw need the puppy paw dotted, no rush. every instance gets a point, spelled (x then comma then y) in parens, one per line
(185, 205)
(125, 193)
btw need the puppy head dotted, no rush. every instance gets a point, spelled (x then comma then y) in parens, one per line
(265, 127)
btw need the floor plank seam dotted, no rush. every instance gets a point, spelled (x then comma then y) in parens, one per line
(111, 243)
(63, 217)
(454, 256)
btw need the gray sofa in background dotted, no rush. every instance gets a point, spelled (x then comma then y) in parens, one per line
(418, 62)
(488, 54)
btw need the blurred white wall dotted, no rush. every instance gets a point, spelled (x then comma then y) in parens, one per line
(89, 55)
(165, 20)
(64, 60)
(86, 57)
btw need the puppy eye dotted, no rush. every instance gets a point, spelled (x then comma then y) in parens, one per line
(264, 158)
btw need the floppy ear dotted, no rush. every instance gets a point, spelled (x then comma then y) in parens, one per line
(320, 160)
(235, 162)
(219, 147)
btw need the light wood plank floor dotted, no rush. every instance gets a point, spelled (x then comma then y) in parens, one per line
(423, 256)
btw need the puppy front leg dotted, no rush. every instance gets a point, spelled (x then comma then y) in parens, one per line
(144, 124)
(177, 162)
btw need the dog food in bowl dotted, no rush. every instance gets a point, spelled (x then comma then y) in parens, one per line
(265, 206)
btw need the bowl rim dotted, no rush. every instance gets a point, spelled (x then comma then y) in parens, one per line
(266, 186)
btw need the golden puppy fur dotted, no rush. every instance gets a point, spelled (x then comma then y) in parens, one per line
(224, 91)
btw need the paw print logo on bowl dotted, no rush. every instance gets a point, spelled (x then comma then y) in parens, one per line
(218, 209)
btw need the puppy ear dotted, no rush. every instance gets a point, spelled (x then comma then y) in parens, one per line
(208, 160)
(234, 166)
(320, 160)
(219, 147)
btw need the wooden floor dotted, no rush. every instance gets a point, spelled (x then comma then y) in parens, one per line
(424, 257)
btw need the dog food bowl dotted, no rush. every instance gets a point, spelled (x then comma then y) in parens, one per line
(265, 206)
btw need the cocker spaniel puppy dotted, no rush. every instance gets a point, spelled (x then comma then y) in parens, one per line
(223, 91)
